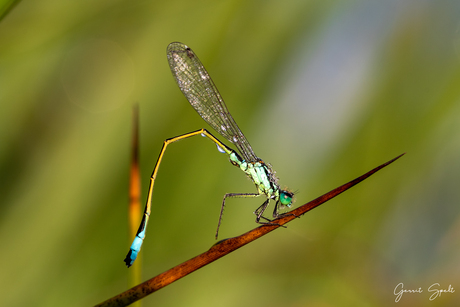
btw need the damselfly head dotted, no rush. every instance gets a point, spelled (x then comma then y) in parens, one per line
(286, 198)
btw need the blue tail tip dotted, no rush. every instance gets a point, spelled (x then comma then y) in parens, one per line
(129, 260)
(135, 248)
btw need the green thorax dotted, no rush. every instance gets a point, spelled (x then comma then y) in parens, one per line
(260, 173)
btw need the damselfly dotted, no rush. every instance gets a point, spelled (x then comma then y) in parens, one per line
(197, 86)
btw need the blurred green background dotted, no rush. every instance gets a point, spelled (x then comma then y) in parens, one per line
(323, 90)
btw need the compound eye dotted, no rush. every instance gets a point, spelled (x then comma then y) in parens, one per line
(286, 198)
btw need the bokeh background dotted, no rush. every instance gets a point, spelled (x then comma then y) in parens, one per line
(323, 90)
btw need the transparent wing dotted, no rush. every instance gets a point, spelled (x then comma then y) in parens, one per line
(197, 86)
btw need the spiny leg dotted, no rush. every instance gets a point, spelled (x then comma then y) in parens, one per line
(245, 195)
(140, 235)
(260, 211)
(276, 213)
